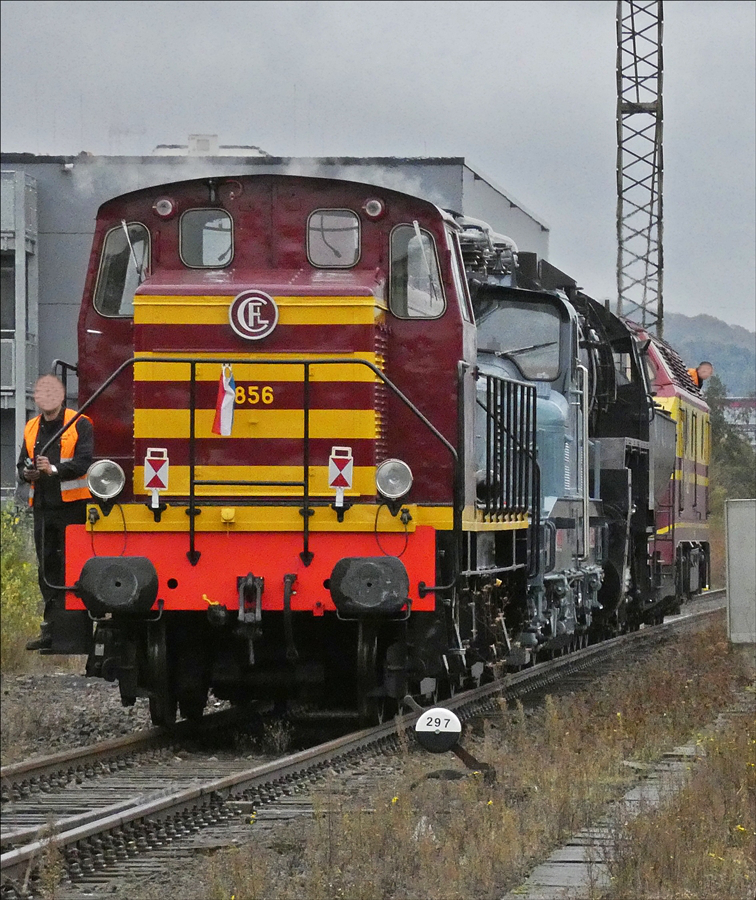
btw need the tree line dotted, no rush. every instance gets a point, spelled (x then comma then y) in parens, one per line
(732, 469)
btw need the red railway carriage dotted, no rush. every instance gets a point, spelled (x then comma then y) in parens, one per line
(303, 548)
(680, 545)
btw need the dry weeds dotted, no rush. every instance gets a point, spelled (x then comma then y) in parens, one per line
(420, 838)
(702, 842)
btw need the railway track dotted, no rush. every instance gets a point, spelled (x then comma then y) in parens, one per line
(105, 826)
(46, 774)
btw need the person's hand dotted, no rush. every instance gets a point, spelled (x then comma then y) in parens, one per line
(31, 474)
(43, 465)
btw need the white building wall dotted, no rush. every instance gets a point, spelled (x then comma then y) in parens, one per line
(740, 530)
(504, 213)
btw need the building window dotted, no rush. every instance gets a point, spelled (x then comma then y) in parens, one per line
(415, 291)
(333, 238)
(8, 292)
(124, 264)
(206, 239)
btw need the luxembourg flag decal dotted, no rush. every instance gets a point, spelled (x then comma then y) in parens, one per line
(224, 406)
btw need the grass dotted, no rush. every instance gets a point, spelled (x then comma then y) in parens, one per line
(418, 837)
(718, 551)
(21, 607)
(20, 600)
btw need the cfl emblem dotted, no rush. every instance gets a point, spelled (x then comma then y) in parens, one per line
(253, 315)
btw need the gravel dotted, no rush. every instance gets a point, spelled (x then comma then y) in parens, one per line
(44, 712)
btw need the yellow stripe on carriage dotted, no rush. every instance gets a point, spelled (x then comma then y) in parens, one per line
(702, 526)
(212, 310)
(247, 370)
(359, 518)
(336, 424)
(475, 520)
(692, 478)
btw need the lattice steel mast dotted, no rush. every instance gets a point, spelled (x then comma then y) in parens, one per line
(640, 258)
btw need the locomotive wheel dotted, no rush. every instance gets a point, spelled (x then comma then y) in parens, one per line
(191, 683)
(371, 705)
(192, 704)
(163, 709)
(162, 695)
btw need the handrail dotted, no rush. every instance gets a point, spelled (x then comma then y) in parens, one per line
(585, 462)
(65, 368)
(307, 511)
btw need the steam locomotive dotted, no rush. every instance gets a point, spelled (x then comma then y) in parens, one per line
(352, 446)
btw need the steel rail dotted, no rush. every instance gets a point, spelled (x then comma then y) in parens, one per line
(60, 764)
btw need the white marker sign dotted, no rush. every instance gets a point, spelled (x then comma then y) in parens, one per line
(340, 471)
(156, 473)
(438, 729)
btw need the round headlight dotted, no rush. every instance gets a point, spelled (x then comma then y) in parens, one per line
(105, 479)
(393, 478)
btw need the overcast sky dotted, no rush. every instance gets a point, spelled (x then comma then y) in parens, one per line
(525, 91)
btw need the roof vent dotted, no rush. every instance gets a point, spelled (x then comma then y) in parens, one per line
(203, 145)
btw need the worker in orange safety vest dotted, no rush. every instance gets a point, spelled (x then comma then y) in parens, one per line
(58, 492)
(703, 371)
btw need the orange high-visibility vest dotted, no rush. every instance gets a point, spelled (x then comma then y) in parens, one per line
(76, 488)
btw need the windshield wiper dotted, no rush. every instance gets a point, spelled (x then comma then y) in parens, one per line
(431, 282)
(513, 353)
(139, 272)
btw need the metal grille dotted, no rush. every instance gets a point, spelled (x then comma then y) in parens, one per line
(509, 488)
(380, 395)
(8, 364)
(639, 162)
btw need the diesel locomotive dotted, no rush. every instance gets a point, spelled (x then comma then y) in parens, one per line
(353, 447)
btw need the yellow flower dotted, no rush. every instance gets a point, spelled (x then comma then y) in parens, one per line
(394, 799)
(490, 803)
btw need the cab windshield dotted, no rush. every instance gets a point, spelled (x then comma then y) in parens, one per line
(523, 332)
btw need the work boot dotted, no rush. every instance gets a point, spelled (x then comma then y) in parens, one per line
(44, 641)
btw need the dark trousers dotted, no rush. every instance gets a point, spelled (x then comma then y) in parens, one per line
(50, 541)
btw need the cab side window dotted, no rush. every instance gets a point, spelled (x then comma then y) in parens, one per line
(124, 264)
(416, 291)
(206, 239)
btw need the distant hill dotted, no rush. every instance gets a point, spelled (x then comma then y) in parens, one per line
(731, 349)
